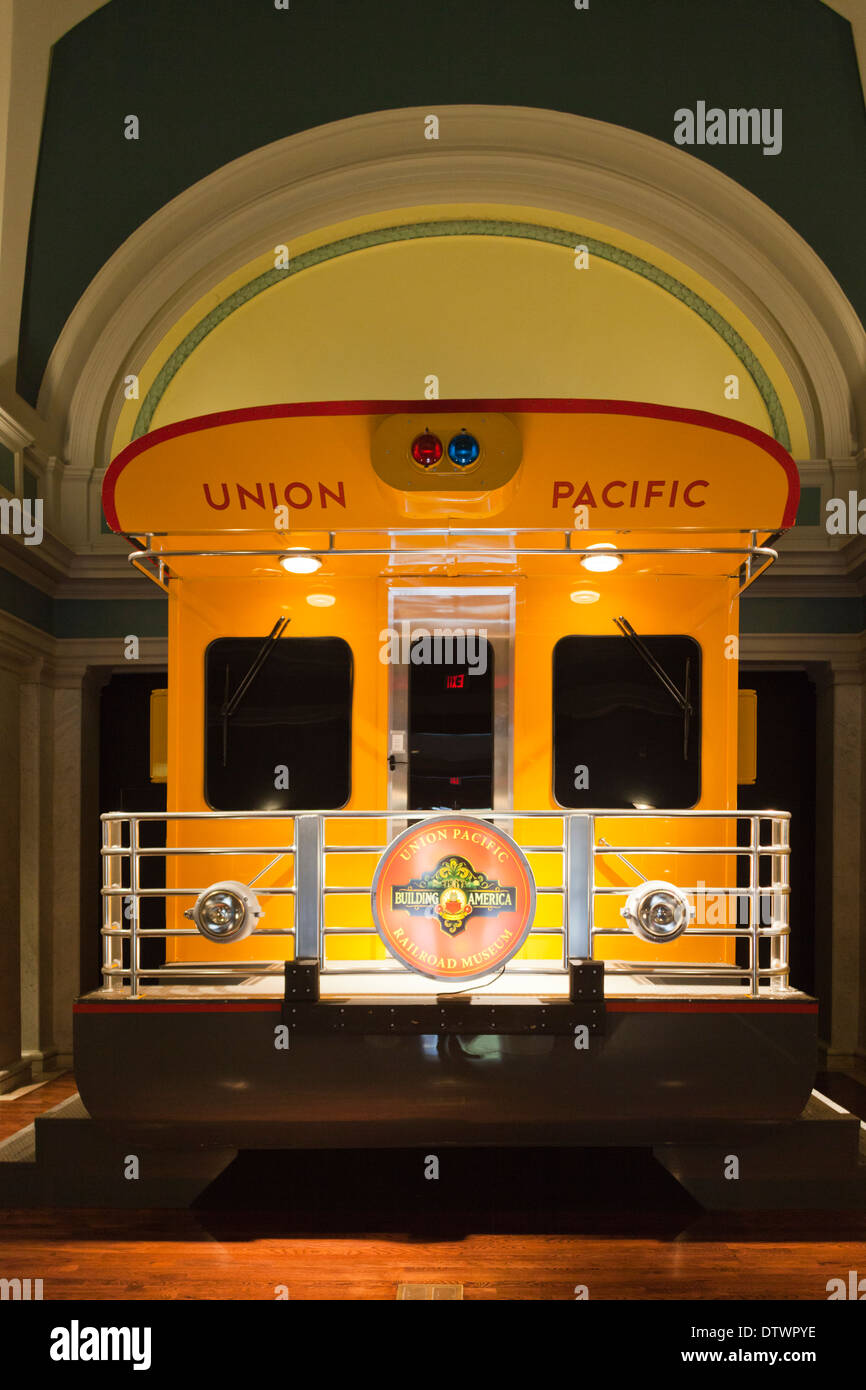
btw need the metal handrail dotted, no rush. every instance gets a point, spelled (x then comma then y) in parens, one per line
(390, 813)
(579, 930)
(412, 552)
(151, 561)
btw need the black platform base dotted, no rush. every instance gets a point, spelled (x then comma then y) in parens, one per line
(655, 1071)
(817, 1163)
(66, 1159)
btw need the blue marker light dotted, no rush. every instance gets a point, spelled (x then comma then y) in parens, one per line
(464, 449)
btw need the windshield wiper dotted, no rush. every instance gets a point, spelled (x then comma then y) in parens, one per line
(230, 705)
(661, 674)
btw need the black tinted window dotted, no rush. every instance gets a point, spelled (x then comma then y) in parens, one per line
(451, 734)
(295, 714)
(613, 716)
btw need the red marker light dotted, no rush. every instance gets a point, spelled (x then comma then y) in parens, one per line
(427, 450)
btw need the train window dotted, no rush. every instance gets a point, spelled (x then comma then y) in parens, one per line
(627, 721)
(279, 723)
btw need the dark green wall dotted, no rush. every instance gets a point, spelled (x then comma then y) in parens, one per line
(149, 617)
(213, 79)
(82, 617)
(767, 615)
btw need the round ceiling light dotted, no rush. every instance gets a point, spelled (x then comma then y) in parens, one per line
(600, 562)
(301, 564)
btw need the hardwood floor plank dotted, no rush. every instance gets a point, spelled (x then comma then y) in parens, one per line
(141, 1255)
(15, 1114)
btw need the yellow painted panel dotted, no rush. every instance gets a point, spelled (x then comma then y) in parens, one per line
(675, 593)
(628, 467)
(203, 610)
(158, 735)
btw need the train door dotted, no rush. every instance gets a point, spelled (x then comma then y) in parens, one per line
(450, 724)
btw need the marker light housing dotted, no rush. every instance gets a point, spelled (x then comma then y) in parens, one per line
(657, 912)
(225, 912)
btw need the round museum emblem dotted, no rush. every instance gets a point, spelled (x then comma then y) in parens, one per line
(453, 898)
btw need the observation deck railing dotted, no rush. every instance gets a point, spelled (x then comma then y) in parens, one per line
(758, 906)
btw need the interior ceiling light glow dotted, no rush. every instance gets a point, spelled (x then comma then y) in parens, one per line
(301, 564)
(427, 450)
(321, 600)
(600, 563)
(585, 596)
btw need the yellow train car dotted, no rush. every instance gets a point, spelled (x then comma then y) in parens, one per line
(451, 744)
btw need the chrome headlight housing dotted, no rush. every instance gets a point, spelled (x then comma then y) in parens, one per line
(225, 912)
(657, 912)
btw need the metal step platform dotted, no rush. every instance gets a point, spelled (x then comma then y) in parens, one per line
(66, 1159)
(816, 1163)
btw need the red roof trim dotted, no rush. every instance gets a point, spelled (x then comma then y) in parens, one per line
(542, 405)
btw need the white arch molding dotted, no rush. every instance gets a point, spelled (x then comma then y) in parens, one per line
(380, 163)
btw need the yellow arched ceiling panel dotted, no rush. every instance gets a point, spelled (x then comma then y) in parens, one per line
(498, 314)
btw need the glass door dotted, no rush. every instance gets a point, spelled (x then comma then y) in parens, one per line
(450, 698)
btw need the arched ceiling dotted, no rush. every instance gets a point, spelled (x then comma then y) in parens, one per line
(490, 300)
(211, 83)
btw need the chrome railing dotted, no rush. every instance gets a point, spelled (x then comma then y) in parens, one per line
(759, 907)
(453, 543)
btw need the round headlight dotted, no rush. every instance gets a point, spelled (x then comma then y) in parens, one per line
(225, 912)
(657, 912)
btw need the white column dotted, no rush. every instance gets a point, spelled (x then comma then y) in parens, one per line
(58, 766)
(64, 824)
(17, 654)
(14, 1070)
(37, 770)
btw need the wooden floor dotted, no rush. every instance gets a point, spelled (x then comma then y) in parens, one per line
(845, 1090)
(142, 1255)
(22, 1110)
(639, 1243)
